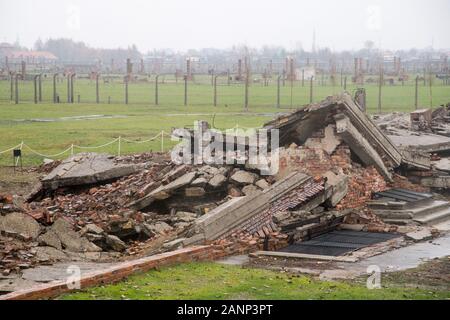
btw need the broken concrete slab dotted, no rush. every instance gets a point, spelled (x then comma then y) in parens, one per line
(185, 216)
(236, 211)
(217, 181)
(158, 227)
(50, 254)
(165, 191)
(423, 142)
(20, 224)
(262, 183)
(115, 243)
(250, 189)
(91, 228)
(85, 169)
(243, 177)
(360, 145)
(51, 239)
(298, 126)
(339, 185)
(199, 182)
(420, 235)
(194, 192)
(71, 240)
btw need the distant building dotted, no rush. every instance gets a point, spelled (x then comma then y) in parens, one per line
(32, 56)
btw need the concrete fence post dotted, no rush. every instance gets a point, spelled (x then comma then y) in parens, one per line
(215, 90)
(246, 89)
(126, 89)
(35, 89)
(185, 90)
(40, 87)
(278, 91)
(416, 95)
(68, 88)
(17, 88)
(97, 93)
(380, 85)
(311, 85)
(156, 90)
(72, 88)
(54, 87)
(12, 86)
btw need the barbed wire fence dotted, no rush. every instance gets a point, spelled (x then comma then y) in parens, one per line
(201, 90)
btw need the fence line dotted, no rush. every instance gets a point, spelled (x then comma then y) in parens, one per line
(72, 147)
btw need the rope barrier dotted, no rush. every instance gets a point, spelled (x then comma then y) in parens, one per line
(11, 149)
(74, 146)
(45, 155)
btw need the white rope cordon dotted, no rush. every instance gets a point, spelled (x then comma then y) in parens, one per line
(10, 149)
(73, 146)
(104, 145)
(140, 142)
(46, 155)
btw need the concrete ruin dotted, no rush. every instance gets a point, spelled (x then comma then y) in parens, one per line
(337, 168)
(85, 169)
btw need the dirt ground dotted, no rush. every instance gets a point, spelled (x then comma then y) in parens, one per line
(432, 274)
(17, 182)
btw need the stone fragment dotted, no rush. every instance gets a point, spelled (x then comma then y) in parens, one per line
(20, 223)
(217, 181)
(194, 192)
(50, 239)
(243, 177)
(115, 243)
(262, 183)
(86, 168)
(250, 189)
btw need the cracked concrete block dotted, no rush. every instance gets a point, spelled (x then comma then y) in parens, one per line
(262, 183)
(50, 239)
(243, 177)
(194, 192)
(86, 168)
(360, 146)
(250, 189)
(217, 181)
(339, 185)
(199, 182)
(115, 243)
(71, 240)
(20, 223)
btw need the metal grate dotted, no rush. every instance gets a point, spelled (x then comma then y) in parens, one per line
(339, 242)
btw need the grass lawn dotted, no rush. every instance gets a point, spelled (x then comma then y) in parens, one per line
(223, 282)
(52, 128)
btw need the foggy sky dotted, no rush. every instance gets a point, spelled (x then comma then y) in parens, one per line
(184, 24)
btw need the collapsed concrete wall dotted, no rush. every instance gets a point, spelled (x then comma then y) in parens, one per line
(360, 145)
(236, 212)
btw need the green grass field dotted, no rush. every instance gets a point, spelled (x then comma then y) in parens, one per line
(52, 128)
(193, 281)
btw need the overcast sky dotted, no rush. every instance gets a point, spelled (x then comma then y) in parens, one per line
(183, 24)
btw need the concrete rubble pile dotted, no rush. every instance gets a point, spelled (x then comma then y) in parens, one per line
(422, 133)
(332, 160)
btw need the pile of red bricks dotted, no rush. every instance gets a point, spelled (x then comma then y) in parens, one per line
(315, 161)
(403, 183)
(244, 243)
(362, 184)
